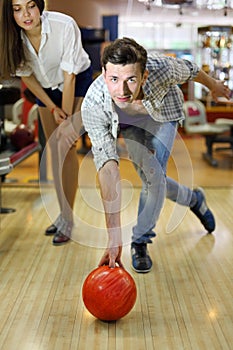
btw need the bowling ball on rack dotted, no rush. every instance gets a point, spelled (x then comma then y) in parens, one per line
(21, 136)
(3, 140)
(109, 293)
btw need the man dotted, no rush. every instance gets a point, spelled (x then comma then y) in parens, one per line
(139, 94)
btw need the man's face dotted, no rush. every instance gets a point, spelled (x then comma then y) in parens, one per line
(124, 82)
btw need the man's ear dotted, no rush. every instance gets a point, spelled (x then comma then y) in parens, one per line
(103, 72)
(145, 76)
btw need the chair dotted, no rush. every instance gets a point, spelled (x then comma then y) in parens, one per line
(196, 123)
(32, 116)
(17, 110)
(226, 122)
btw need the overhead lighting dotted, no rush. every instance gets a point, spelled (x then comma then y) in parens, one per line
(147, 3)
(203, 4)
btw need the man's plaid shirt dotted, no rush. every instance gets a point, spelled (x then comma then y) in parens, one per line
(163, 101)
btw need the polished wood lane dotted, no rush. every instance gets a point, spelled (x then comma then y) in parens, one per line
(185, 302)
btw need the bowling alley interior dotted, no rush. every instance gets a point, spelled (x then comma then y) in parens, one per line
(185, 301)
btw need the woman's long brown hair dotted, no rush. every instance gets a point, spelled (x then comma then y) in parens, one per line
(12, 53)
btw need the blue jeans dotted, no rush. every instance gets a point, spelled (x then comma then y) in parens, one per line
(149, 147)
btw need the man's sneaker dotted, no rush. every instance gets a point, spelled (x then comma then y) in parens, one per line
(201, 210)
(141, 261)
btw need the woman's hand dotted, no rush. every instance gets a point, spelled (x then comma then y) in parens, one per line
(59, 115)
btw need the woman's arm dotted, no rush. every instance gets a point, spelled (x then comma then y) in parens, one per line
(35, 87)
(68, 93)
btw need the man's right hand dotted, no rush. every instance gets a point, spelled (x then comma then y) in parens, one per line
(109, 179)
(111, 257)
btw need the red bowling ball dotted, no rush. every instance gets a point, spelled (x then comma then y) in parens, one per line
(21, 136)
(109, 293)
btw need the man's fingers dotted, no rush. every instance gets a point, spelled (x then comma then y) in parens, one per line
(120, 264)
(112, 263)
(103, 261)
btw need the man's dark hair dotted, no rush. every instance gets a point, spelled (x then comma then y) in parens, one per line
(125, 51)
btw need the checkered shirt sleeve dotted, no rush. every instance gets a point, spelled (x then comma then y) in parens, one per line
(101, 122)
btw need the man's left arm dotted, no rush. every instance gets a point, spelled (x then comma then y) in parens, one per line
(184, 70)
(216, 87)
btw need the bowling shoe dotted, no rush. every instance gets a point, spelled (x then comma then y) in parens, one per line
(141, 261)
(201, 210)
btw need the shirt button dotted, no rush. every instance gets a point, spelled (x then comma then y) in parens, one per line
(115, 121)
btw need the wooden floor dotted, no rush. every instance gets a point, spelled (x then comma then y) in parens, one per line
(184, 303)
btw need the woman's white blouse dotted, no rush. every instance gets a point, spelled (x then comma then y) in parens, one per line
(60, 50)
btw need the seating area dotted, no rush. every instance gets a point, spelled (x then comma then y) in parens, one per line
(220, 131)
(11, 156)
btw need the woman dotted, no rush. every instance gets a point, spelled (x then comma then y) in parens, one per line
(44, 48)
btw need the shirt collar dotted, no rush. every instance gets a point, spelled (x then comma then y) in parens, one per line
(107, 96)
(45, 25)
